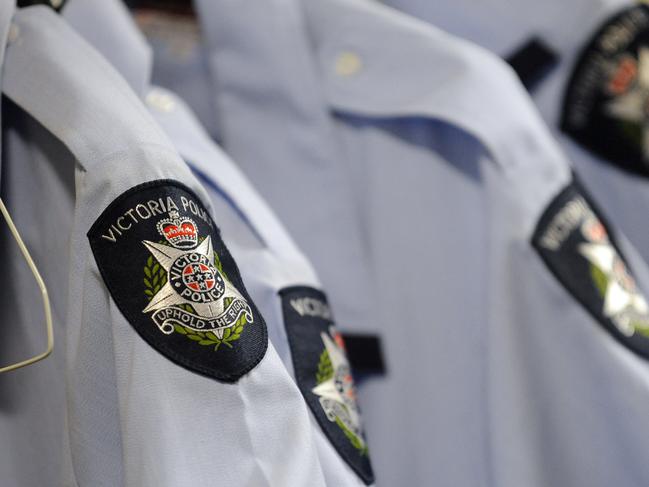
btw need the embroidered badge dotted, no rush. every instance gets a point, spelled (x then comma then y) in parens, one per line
(606, 105)
(172, 277)
(577, 247)
(323, 374)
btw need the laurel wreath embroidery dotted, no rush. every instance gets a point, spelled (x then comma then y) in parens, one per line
(353, 439)
(643, 330)
(155, 277)
(601, 283)
(209, 338)
(325, 368)
(325, 372)
(599, 279)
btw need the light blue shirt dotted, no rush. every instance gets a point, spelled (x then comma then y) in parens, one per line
(108, 409)
(504, 27)
(413, 169)
(267, 257)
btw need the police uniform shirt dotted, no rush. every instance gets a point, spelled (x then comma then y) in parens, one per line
(280, 280)
(147, 404)
(278, 276)
(590, 97)
(511, 359)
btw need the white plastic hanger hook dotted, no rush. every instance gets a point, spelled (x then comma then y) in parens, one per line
(44, 296)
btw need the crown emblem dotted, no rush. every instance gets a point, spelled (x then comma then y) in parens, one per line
(181, 232)
(593, 230)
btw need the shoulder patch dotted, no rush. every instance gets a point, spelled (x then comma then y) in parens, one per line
(323, 374)
(606, 104)
(577, 247)
(172, 277)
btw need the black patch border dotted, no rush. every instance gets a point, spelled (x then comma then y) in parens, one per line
(226, 258)
(628, 165)
(544, 220)
(325, 425)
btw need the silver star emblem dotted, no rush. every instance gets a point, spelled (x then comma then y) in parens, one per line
(339, 388)
(621, 298)
(632, 105)
(168, 296)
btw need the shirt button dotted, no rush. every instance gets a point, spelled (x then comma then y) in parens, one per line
(160, 101)
(348, 63)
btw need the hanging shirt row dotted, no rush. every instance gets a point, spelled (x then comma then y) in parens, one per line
(323, 243)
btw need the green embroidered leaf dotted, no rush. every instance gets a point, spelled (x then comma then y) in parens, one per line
(599, 279)
(325, 368)
(219, 265)
(641, 328)
(155, 277)
(356, 442)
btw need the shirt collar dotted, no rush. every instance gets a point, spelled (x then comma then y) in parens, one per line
(109, 27)
(95, 114)
(375, 61)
